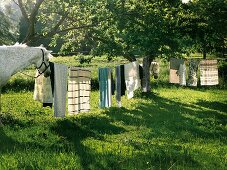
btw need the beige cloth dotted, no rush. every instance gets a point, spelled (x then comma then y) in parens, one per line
(174, 70)
(208, 72)
(42, 89)
(79, 89)
(132, 78)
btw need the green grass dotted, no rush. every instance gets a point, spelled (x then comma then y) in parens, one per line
(172, 128)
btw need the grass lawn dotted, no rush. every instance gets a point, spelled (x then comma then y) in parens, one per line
(172, 128)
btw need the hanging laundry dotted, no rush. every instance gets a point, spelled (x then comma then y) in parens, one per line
(154, 69)
(132, 78)
(79, 89)
(105, 87)
(118, 85)
(43, 90)
(123, 85)
(182, 75)
(192, 72)
(208, 72)
(60, 89)
(174, 70)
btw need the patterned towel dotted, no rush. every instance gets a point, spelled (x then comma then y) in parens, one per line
(192, 72)
(60, 89)
(42, 89)
(132, 78)
(208, 72)
(174, 70)
(79, 89)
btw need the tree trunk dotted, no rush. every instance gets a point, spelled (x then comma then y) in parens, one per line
(146, 74)
(130, 58)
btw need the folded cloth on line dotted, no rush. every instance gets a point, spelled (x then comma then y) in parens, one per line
(208, 72)
(60, 89)
(42, 89)
(174, 70)
(79, 89)
(105, 99)
(132, 78)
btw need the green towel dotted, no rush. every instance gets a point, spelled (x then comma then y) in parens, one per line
(105, 98)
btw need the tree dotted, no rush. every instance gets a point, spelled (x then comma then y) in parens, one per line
(8, 24)
(52, 19)
(138, 29)
(204, 22)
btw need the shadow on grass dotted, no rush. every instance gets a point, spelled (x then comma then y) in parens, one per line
(76, 130)
(216, 106)
(166, 120)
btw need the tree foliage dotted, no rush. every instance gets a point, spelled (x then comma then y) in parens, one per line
(204, 24)
(8, 25)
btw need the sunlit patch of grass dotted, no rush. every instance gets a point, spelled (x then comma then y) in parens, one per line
(171, 128)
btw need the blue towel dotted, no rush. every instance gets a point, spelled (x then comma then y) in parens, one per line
(105, 87)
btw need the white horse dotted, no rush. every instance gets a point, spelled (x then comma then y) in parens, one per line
(19, 56)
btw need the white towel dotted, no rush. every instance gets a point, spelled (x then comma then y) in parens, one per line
(132, 78)
(42, 89)
(60, 89)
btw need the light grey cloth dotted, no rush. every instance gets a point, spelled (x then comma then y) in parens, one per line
(118, 85)
(42, 89)
(182, 74)
(60, 89)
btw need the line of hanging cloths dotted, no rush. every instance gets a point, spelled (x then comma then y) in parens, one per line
(208, 72)
(53, 89)
(128, 78)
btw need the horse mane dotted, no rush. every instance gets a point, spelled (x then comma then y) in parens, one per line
(20, 45)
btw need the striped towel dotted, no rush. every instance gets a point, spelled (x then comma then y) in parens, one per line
(60, 89)
(208, 72)
(132, 78)
(174, 70)
(42, 89)
(79, 89)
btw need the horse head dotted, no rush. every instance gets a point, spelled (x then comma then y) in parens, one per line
(42, 65)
